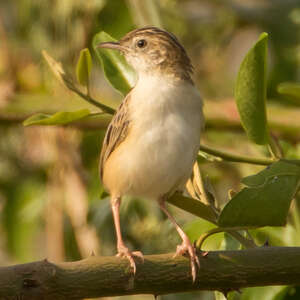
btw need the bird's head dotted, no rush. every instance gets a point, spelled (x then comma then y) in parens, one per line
(154, 51)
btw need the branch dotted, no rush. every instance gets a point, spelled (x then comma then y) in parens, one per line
(237, 158)
(69, 83)
(159, 274)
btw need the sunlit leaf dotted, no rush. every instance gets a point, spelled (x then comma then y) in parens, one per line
(229, 296)
(117, 71)
(250, 92)
(265, 293)
(288, 293)
(193, 206)
(59, 118)
(56, 67)
(84, 67)
(266, 200)
(199, 227)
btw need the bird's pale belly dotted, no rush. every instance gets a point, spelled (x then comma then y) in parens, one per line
(153, 162)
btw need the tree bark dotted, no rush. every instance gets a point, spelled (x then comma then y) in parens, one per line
(159, 274)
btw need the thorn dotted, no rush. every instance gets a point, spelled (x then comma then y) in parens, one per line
(266, 244)
(93, 253)
(202, 253)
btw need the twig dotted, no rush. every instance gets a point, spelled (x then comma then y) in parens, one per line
(89, 99)
(237, 158)
(244, 241)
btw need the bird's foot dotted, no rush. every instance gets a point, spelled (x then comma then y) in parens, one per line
(187, 248)
(123, 251)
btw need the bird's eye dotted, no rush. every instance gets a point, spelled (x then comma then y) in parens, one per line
(141, 43)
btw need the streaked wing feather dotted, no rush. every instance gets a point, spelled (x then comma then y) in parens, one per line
(116, 132)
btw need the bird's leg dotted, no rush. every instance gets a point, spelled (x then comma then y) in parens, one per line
(123, 251)
(186, 246)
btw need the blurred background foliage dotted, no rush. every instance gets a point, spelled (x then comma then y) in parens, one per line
(52, 203)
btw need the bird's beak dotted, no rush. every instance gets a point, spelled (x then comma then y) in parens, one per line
(112, 45)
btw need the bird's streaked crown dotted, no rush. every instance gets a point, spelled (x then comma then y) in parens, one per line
(153, 50)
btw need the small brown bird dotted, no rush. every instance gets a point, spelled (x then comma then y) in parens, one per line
(153, 139)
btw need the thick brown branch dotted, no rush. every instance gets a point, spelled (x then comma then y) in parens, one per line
(159, 274)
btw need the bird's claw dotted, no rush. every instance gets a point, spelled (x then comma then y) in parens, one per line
(187, 247)
(124, 252)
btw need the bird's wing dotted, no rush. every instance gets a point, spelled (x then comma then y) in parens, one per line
(116, 132)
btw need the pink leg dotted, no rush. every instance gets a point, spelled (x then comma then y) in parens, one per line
(186, 245)
(123, 251)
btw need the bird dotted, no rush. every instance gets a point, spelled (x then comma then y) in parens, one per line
(152, 141)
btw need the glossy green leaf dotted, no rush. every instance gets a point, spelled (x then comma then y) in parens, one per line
(250, 92)
(266, 200)
(117, 71)
(59, 118)
(280, 168)
(84, 67)
(193, 206)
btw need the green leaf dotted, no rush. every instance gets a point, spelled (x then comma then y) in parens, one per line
(230, 296)
(193, 206)
(266, 200)
(117, 71)
(280, 168)
(84, 67)
(265, 293)
(196, 228)
(288, 293)
(59, 118)
(229, 243)
(250, 92)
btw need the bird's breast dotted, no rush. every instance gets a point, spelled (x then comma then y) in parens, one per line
(163, 141)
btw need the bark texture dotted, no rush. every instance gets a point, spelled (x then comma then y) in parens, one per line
(159, 274)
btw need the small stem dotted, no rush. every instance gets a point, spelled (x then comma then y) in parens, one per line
(200, 184)
(249, 236)
(89, 99)
(203, 193)
(247, 243)
(274, 147)
(244, 241)
(88, 92)
(237, 158)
